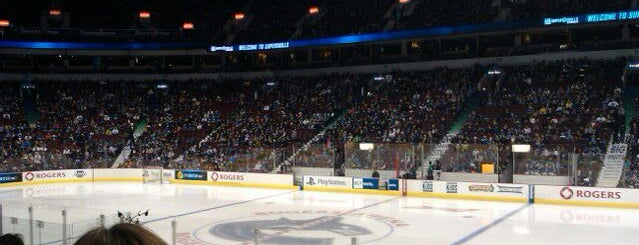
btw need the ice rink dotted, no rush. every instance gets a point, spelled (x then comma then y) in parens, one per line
(226, 215)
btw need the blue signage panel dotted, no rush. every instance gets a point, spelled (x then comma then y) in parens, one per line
(370, 183)
(191, 174)
(10, 177)
(392, 184)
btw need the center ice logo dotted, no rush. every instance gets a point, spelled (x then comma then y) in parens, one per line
(314, 227)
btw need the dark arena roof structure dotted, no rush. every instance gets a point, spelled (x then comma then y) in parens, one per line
(477, 99)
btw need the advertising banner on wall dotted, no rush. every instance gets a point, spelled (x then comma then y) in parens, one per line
(58, 175)
(191, 175)
(497, 190)
(587, 195)
(452, 189)
(250, 178)
(10, 177)
(168, 174)
(328, 181)
(616, 154)
(358, 183)
(392, 184)
(366, 183)
(228, 177)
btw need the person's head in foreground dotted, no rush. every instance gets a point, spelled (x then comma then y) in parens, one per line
(120, 234)
(11, 239)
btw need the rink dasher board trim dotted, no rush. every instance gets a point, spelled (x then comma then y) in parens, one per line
(357, 191)
(466, 196)
(235, 184)
(587, 203)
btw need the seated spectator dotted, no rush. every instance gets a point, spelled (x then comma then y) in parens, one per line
(11, 239)
(120, 234)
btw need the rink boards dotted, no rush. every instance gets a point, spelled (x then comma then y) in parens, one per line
(524, 193)
(168, 175)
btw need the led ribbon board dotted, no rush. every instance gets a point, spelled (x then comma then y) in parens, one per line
(594, 18)
(434, 31)
(621, 15)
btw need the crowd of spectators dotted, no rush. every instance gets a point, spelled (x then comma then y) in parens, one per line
(178, 115)
(274, 117)
(564, 109)
(196, 124)
(54, 125)
(631, 168)
(571, 106)
(408, 107)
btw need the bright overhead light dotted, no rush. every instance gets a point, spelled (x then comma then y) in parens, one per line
(366, 146)
(144, 15)
(521, 148)
(188, 26)
(313, 10)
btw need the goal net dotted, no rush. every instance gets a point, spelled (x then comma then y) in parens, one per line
(152, 174)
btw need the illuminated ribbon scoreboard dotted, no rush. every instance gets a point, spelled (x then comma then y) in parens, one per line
(435, 31)
(593, 18)
(622, 15)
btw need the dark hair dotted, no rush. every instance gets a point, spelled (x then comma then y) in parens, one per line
(120, 234)
(11, 239)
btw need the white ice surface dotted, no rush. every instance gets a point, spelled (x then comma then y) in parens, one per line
(227, 215)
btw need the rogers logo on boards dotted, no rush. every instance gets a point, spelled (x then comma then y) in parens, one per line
(223, 176)
(568, 193)
(29, 176)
